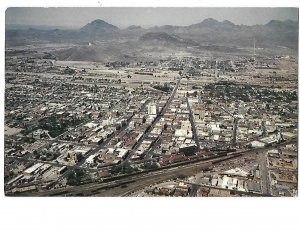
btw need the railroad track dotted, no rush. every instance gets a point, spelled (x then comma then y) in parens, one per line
(140, 180)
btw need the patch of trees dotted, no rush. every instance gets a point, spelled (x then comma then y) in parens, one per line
(163, 88)
(57, 126)
(75, 177)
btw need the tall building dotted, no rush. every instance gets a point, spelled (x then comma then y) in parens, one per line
(199, 111)
(152, 109)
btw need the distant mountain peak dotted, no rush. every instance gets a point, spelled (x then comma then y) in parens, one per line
(99, 24)
(209, 22)
(273, 21)
(96, 21)
(227, 22)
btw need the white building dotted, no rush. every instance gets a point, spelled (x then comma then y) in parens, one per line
(91, 159)
(152, 109)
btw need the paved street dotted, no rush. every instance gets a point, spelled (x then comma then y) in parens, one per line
(193, 125)
(195, 187)
(264, 173)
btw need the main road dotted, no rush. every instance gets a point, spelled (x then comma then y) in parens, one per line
(195, 186)
(264, 172)
(162, 112)
(193, 125)
(234, 123)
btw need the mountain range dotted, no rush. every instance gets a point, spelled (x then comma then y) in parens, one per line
(210, 35)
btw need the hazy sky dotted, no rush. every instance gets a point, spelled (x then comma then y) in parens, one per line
(123, 17)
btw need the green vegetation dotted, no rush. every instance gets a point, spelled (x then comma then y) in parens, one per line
(123, 169)
(57, 126)
(150, 165)
(163, 88)
(75, 177)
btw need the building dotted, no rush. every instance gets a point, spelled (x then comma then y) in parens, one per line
(199, 111)
(152, 109)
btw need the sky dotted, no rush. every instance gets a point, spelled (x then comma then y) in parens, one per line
(146, 17)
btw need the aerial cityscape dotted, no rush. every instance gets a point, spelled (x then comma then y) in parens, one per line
(204, 109)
